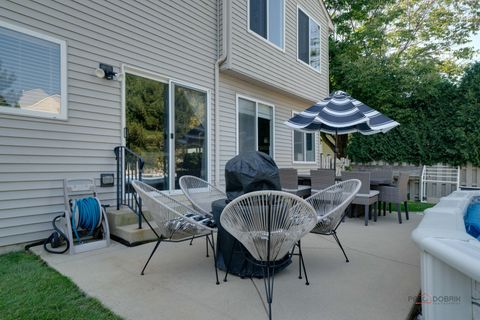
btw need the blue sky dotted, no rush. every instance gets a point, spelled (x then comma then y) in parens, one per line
(476, 43)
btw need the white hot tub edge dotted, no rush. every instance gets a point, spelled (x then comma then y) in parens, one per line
(450, 260)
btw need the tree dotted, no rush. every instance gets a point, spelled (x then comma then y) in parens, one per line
(402, 57)
(406, 30)
(469, 113)
(146, 107)
(6, 93)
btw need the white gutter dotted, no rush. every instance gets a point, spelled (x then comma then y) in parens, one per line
(226, 10)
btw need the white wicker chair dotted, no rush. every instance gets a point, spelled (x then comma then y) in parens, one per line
(176, 222)
(330, 205)
(268, 224)
(200, 193)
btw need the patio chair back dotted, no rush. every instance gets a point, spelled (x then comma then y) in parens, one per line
(200, 193)
(365, 195)
(321, 179)
(268, 223)
(381, 174)
(288, 178)
(289, 182)
(403, 185)
(330, 204)
(363, 176)
(397, 193)
(173, 218)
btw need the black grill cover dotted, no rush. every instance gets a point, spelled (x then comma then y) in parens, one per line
(251, 171)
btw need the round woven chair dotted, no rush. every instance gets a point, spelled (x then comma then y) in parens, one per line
(176, 221)
(200, 193)
(330, 205)
(268, 224)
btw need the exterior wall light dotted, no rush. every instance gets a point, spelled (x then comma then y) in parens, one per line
(106, 71)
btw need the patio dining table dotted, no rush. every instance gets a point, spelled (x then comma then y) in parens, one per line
(305, 179)
(380, 182)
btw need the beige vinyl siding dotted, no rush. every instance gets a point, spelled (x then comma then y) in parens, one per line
(230, 87)
(260, 60)
(176, 39)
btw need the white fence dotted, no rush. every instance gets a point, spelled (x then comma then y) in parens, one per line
(468, 177)
(447, 177)
(326, 162)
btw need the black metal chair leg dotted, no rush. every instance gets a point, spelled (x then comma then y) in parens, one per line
(299, 260)
(269, 280)
(406, 210)
(206, 245)
(367, 213)
(340, 245)
(302, 263)
(384, 208)
(151, 254)
(229, 262)
(212, 244)
(191, 241)
(399, 212)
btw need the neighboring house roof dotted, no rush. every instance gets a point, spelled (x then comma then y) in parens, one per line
(39, 100)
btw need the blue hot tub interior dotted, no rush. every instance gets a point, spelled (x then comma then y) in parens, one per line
(472, 218)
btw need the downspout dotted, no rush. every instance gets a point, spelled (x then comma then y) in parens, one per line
(226, 9)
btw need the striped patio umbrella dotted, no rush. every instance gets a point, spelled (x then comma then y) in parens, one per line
(340, 114)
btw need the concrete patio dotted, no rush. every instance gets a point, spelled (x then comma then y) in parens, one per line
(179, 283)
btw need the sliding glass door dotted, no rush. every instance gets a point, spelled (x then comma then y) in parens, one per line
(166, 123)
(190, 133)
(146, 131)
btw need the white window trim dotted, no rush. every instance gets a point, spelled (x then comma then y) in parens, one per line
(259, 36)
(63, 77)
(257, 101)
(315, 135)
(171, 82)
(319, 70)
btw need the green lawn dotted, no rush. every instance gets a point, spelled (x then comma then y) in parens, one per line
(29, 289)
(413, 206)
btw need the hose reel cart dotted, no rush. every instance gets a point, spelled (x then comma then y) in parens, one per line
(86, 219)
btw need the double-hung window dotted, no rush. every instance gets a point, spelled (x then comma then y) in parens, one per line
(255, 126)
(266, 18)
(308, 35)
(304, 146)
(32, 73)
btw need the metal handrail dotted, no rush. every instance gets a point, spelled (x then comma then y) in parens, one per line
(129, 167)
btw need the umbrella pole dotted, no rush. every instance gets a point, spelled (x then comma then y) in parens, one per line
(335, 152)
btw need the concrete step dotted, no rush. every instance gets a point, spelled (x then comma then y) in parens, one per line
(131, 235)
(121, 217)
(124, 216)
(123, 226)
